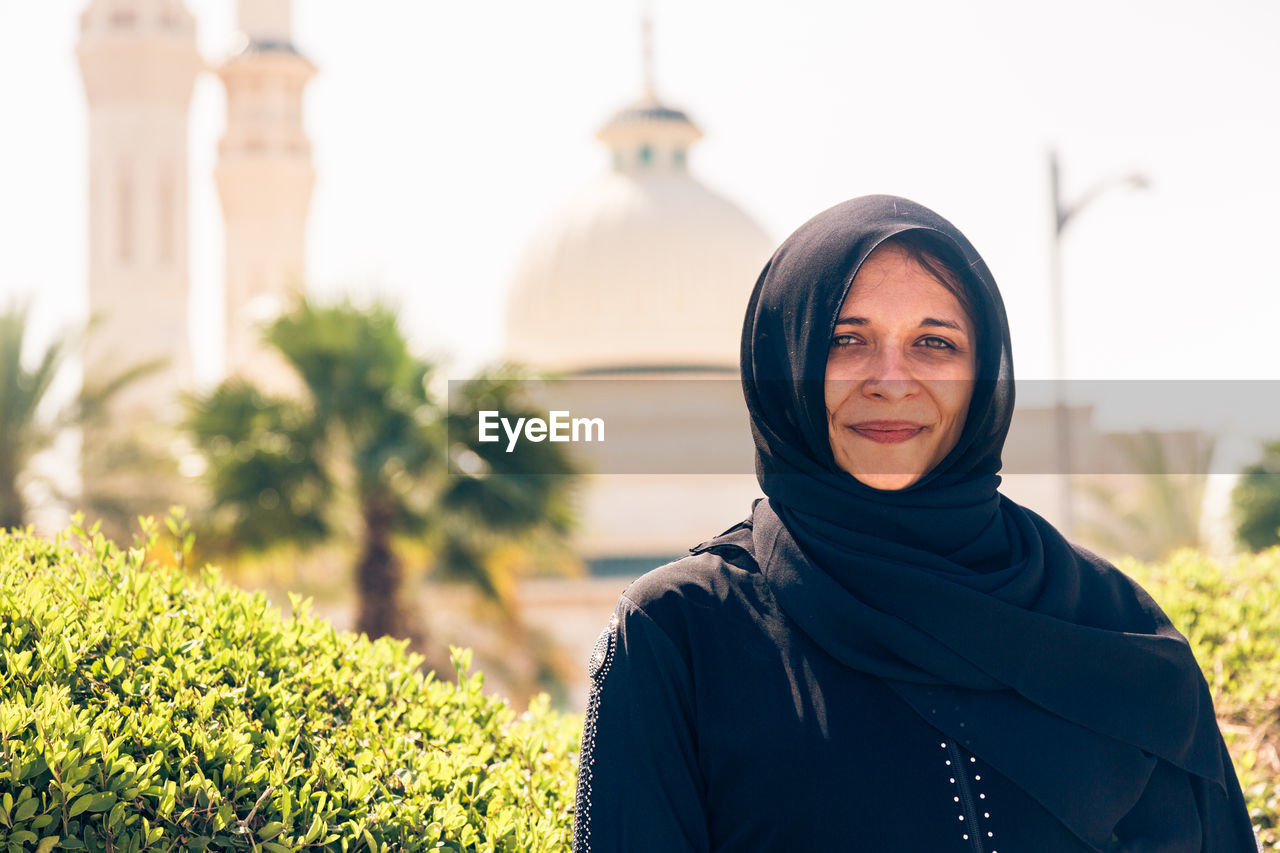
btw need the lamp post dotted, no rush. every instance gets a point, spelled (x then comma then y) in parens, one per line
(1064, 212)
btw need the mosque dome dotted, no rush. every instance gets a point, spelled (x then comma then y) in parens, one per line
(645, 269)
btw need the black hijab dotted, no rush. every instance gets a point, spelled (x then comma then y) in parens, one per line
(1035, 654)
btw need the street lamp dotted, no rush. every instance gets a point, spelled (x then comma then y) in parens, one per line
(1064, 213)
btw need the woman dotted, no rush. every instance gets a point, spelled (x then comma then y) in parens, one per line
(888, 654)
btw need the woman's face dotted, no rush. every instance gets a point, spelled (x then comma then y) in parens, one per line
(900, 372)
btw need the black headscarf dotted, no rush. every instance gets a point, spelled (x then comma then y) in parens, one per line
(1035, 654)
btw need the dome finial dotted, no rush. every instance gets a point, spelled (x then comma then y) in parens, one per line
(647, 136)
(646, 47)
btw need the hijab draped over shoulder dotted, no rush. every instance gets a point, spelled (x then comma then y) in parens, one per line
(1035, 654)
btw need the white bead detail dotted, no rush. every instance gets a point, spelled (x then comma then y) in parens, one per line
(602, 661)
(979, 817)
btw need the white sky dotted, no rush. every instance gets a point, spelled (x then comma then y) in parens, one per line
(445, 132)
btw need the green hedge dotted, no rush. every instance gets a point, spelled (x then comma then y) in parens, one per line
(144, 709)
(1230, 611)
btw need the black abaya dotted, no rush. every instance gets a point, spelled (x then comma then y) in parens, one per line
(798, 684)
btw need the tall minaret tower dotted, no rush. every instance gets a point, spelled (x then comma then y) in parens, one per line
(139, 62)
(265, 178)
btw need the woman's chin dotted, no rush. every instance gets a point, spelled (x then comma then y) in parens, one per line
(885, 482)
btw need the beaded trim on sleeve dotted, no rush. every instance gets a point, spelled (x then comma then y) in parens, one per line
(597, 668)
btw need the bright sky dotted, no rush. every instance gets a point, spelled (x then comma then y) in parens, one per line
(444, 133)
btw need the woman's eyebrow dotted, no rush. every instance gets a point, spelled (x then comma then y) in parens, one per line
(946, 324)
(927, 321)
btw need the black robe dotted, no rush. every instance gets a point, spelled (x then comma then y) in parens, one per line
(715, 724)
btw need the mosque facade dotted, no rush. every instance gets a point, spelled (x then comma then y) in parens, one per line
(636, 289)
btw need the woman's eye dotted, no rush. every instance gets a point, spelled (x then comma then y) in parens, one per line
(939, 344)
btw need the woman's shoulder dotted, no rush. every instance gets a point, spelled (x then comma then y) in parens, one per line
(1098, 592)
(716, 577)
(1117, 601)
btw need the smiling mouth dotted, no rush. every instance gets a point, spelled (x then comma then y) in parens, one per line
(888, 436)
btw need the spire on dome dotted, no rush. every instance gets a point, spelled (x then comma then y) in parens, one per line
(646, 49)
(648, 136)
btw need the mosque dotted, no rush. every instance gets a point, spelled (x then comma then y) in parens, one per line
(640, 283)
(645, 274)
(671, 251)
(636, 288)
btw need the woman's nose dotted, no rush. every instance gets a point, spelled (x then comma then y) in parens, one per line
(890, 374)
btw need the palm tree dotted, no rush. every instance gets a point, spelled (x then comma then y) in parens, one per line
(367, 436)
(23, 391)
(1164, 512)
(22, 435)
(491, 494)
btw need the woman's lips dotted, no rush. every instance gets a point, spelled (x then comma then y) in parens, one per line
(888, 436)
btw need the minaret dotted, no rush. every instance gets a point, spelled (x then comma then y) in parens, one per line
(264, 178)
(139, 62)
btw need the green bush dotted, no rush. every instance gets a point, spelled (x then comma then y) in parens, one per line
(1255, 501)
(143, 708)
(1230, 611)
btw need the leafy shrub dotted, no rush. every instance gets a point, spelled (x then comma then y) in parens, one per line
(142, 708)
(1255, 501)
(1230, 611)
